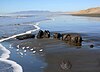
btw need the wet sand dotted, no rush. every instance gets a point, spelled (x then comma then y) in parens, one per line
(87, 15)
(83, 59)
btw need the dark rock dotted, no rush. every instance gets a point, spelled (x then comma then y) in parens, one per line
(76, 39)
(40, 34)
(66, 37)
(17, 24)
(46, 34)
(91, 46)
(57, 35)
(26, 36)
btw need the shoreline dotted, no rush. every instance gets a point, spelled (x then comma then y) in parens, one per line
(16, 67)
(86, 15)
(6, 53)
(45, 48)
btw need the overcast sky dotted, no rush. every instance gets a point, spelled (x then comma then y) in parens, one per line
(7, 6)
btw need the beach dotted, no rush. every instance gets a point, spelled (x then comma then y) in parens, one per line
(84, 58)
(47, 54)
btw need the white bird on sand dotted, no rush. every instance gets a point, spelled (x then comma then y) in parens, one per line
(17, 46)
(23, 48)
(17, 50)
(28, 47)
(41, 50)
(21, 53)
(34, 51)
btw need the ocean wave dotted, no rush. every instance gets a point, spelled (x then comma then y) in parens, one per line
(8, 65)
(6, 52)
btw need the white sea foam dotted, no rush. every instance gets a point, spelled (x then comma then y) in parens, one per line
(16, 67)
(6, 53)
(4, 58)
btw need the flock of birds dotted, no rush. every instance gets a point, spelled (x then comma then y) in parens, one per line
(65, 65)
(25, 49)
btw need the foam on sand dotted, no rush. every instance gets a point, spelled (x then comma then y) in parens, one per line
(6, 52)
(12, 66)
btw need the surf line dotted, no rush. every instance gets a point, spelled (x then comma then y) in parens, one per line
(6, 53)
(28, 32)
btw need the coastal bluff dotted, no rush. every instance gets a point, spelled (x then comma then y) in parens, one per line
(90, 12)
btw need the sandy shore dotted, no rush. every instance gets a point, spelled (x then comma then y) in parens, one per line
(87, 15)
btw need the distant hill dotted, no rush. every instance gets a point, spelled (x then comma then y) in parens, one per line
(95, 10)
(31, 12)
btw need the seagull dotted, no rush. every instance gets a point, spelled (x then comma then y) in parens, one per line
(23, 48)
(41, 50)
(34, 51)
(21, 53)
(17, 46)
(17, 50)
(28, 47)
